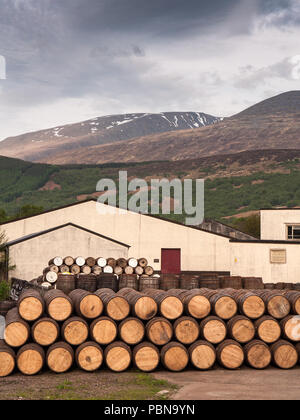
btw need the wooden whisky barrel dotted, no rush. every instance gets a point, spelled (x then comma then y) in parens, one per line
(149, 271)
(149, 283)
(202, 355)
(60, 357)
(223, 305)
(213, 329)
(45, 331)
(64, 269)
(189, 281)
(241, 329)
(132, 262)
(75, 331)
(267, 329)
(129, 271)
(284, 354)
(31, 305)
(96, 270)
(101, 262)
(30, 359)
(186, 330)
(169, 281)
(108, 281)
(86, 304)
(142, 305)
(89, 356)
(58, 305)
(118, 270)
(159, 331)
(111, 262)
(277, 305)
(146, 357)
(258, 354)
(168, 303)
(69, 261)
(118, 356)
(231, 282)
(209, 281)
(116, 307)
(87, 282)
(139, 270)
(132, 331)
(80, 261)
(58, 261)
(17, 331)
(129, 281)
(66, 282)
(90, 261)
(6, 306)
(250, 305)
(122, 262)
(290, 327)
(7, 360)
(294, 299)
(103, 330)
(230, 354)
(196, 304)
(174, 357)
(143, 262)
(253, 283)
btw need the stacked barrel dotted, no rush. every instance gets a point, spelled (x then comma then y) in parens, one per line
(175, 329)
(68, 271)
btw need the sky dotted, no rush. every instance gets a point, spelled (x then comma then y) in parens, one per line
(71, 60)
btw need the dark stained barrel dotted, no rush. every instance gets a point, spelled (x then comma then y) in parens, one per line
(189, 281)
(149, 283)
(169, 281)
(87, 282)
(66, 283)
(129, 281)
(108, 281)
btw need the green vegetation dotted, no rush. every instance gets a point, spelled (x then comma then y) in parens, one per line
(250, 225)
(100, 385)
(21, 182)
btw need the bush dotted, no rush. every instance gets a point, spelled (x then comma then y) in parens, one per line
(4, 290)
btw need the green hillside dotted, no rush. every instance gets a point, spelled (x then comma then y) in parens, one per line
(232, 185)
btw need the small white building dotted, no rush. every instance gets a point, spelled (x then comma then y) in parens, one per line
(79, 229)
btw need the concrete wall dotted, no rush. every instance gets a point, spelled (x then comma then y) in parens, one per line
(254, 260)
(274, 222)
(32, 256)
(146, 235)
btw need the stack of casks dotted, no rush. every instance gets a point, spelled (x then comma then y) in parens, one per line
(70, 273)
(176, 328)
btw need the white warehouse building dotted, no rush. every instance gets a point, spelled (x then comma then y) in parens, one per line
(170, 247)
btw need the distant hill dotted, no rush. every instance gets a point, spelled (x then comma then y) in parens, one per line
(236, 184)
(271, 124)
(49, 145)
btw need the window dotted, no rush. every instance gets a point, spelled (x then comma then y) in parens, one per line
(293, 232)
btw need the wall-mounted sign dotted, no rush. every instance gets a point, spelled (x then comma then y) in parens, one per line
(278, 256)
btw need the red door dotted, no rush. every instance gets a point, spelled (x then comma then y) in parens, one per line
(170, 261)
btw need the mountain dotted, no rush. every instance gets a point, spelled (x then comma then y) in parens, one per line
(271, 124)
(48, 145)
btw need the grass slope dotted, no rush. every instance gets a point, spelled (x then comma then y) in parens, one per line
(233, 184)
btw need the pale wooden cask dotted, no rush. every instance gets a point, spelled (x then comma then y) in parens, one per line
(159, 331)
(186, 330)
(230, 354)
(132, 331)
(202, 355)
(213, 329)
(87, 304)
(7, 360)
(258, 354)
(104, 330)
(146, 357)
(60, 357)
(45, 331)
(241, 329)
(31, 305)
(75, 331)
(89, 356)
(284, 354)
(174, 357)
(30, 359)
(58, 305)
(17, 331)
(118, 356)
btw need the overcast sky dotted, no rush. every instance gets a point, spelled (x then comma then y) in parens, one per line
(70, 60)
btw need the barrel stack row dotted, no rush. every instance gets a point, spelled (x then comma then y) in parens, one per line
(91, 265)
(174, 328)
